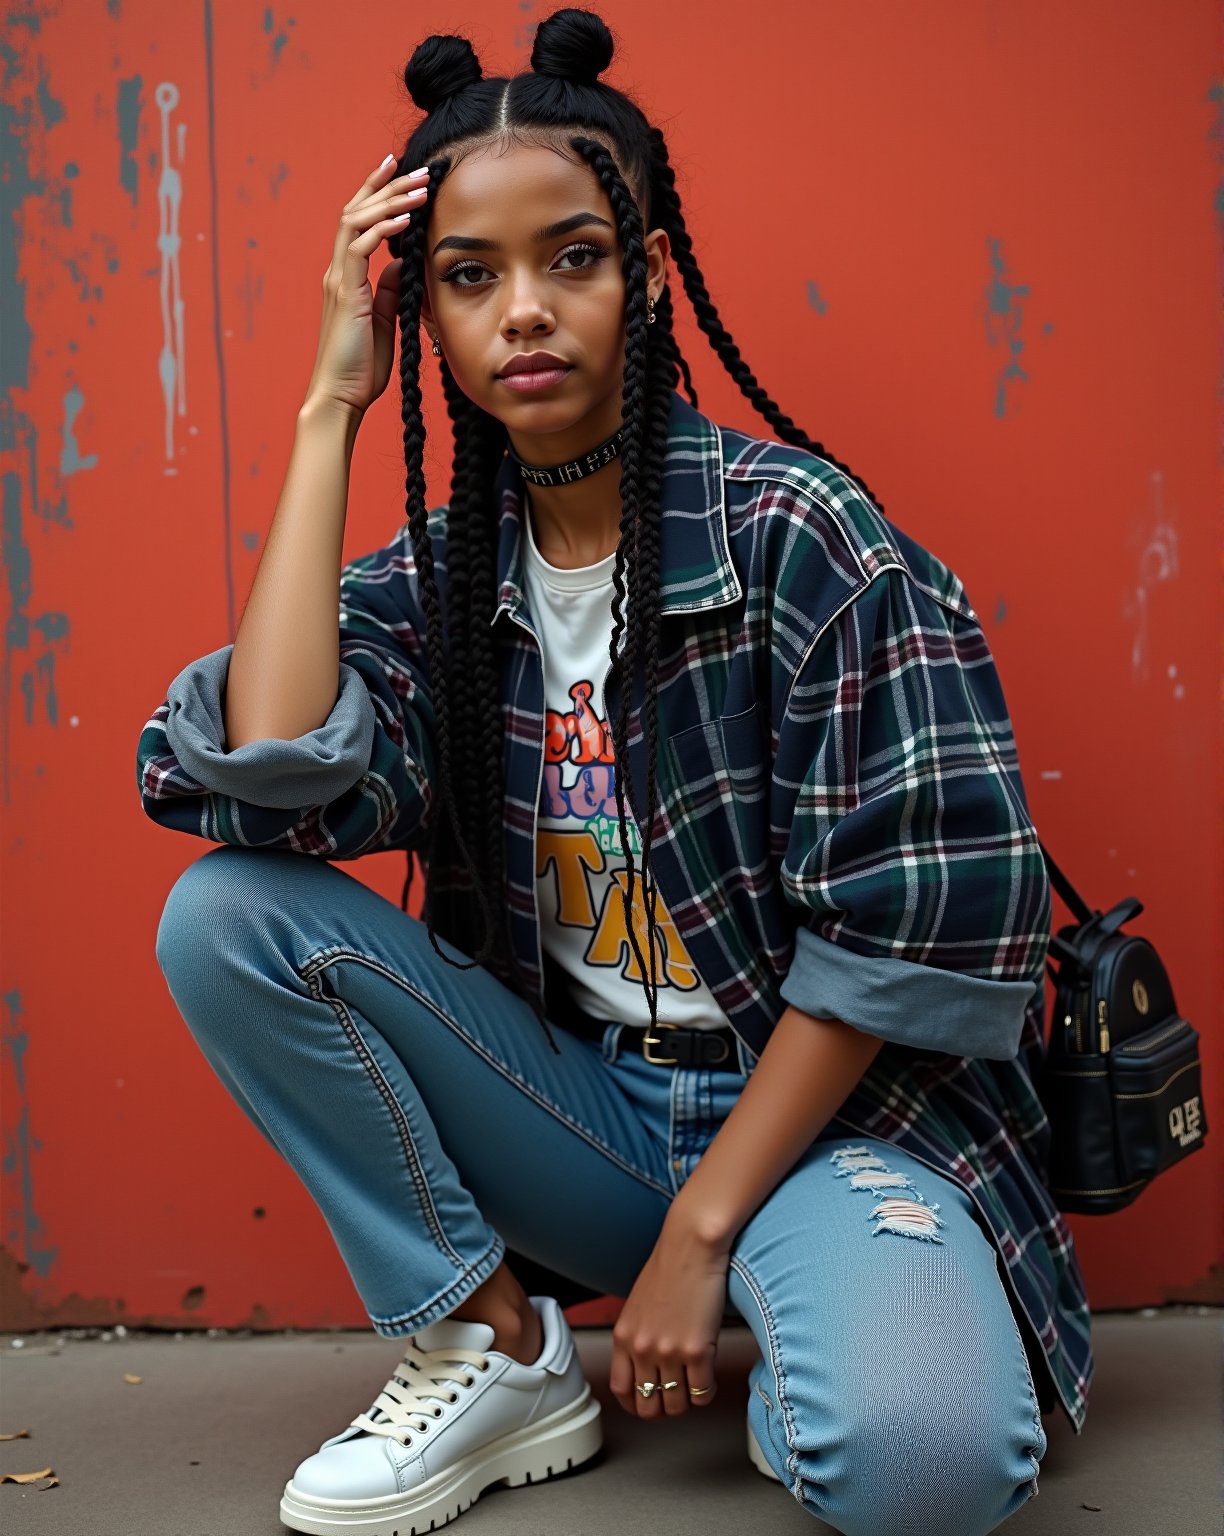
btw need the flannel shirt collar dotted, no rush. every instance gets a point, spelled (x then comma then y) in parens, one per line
(694, 544)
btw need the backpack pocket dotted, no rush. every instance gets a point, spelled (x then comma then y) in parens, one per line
(1156, 1079)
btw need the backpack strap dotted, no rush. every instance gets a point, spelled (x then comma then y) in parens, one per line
(1080, 909)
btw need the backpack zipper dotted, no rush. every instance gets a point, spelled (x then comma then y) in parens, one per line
(1148, 1045)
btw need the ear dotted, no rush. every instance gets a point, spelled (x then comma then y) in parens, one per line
(658, 249)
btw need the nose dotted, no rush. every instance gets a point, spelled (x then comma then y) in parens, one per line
(525, 309)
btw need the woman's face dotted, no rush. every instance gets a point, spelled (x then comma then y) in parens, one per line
(562, 292)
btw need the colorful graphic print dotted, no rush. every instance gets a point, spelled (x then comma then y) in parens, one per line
(578, 798)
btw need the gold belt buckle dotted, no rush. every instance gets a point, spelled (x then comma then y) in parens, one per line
(648, 1040)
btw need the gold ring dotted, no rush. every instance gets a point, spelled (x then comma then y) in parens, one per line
(667, 1384)
(699, 1391)
(646, 1387)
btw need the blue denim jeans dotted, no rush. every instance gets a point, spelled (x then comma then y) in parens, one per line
(425, 1112)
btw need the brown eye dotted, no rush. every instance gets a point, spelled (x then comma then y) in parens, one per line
(597, 253)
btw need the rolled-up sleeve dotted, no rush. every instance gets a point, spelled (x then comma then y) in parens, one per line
(358, 783)
(310, 769)
(922, 894)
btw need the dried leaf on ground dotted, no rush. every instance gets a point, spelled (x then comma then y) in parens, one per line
(31, 1477)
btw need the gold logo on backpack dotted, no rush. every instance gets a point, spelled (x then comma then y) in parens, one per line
(1139, 993)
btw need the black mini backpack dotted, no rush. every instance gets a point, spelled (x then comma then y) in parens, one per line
(1122, 1082)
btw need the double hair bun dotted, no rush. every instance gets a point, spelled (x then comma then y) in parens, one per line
(571, 44)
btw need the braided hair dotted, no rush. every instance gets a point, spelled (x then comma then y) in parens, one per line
(561, 103)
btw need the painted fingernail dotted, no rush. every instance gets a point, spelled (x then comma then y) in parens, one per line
(390, 160)
(420, 171)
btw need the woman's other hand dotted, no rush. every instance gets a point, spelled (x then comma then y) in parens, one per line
(668, 1327)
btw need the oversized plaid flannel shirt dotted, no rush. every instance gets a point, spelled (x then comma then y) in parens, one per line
(840, 822)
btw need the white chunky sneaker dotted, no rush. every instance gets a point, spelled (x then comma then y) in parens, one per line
(454, 1418)
(757, 1457)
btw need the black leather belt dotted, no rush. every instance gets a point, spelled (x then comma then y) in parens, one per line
(668, 1045)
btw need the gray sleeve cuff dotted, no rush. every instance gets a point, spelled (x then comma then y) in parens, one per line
(309, 770)
(908, 1003)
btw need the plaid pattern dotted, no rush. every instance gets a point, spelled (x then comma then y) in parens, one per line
(839, 823)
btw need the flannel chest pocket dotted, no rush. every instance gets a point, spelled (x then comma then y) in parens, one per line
(722, 779)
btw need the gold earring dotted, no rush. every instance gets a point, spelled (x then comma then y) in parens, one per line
(650, 317)
(437, 347)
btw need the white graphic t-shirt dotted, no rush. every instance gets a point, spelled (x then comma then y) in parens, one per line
(581, 872)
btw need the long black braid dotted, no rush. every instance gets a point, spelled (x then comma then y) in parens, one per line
(561, 102)
(458, 879)
(644, 413)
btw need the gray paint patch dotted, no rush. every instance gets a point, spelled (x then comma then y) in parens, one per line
(19, 128)
(171, 369)
(282, 37)
(37, 678)
(1004, 317)
(20, 1144)
(128, 113)
(71, 458)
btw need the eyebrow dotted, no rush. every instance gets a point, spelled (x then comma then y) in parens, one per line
(545, 232)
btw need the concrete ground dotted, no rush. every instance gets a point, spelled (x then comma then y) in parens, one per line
(203, 1444)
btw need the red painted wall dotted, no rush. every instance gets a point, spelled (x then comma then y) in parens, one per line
(976, 252)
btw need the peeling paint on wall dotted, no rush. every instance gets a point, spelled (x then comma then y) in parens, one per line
(21, 121)
(127, 112)
(171, 366)
(28, 111)
(24, 1228)
(281, 37)
(72, 459)
(524, 33)
(1159, 562)
(1004, 317)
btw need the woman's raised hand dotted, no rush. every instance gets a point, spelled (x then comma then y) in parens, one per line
(357, 332)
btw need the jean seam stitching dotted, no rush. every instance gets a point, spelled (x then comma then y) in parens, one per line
(1034, 1404)
(408, 1321)
(396, 1109)
(775, 1358)
(671, 1132)
(325, 958)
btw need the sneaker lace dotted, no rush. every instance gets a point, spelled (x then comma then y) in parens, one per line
(404, 1405)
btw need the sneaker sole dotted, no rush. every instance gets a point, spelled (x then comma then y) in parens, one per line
(546, 1449)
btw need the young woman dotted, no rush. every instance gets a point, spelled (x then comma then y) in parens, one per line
(728, 983)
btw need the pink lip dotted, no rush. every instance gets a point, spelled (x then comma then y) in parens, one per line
(521, 361)
(536, 378)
